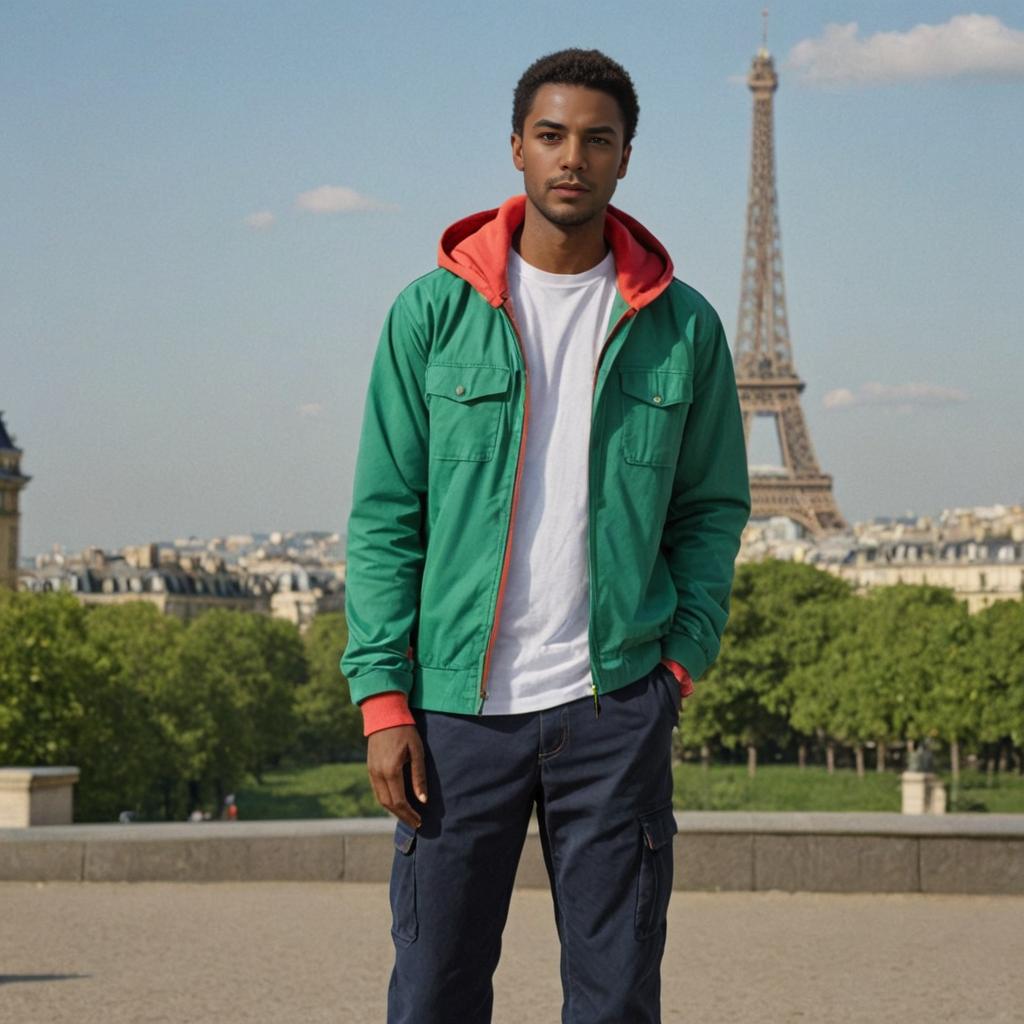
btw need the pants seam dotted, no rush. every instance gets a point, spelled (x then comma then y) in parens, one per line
(570, 994)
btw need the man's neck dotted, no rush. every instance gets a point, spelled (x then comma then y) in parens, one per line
(558, 249)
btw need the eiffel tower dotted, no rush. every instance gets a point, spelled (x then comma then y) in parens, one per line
(765, 376)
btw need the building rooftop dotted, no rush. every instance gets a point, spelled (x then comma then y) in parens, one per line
(5, 438)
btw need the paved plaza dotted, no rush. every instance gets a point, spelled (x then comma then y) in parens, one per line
(319, 953)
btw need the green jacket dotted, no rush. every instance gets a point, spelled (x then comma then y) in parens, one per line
(440, 458)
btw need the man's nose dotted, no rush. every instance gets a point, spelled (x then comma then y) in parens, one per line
(572, 155)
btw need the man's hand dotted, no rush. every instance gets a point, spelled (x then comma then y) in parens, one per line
(386, 754)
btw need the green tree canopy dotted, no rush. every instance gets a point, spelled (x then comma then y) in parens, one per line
(330, 725)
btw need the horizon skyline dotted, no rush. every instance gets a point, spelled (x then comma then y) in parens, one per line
(208, 237)
(290, 531)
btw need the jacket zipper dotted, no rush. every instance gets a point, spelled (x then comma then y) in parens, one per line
(507, 309)
(590, 517)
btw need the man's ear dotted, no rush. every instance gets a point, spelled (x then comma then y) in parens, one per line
(517, 151)
(624, 162)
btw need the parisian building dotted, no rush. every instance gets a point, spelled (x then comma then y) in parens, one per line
(12, 480)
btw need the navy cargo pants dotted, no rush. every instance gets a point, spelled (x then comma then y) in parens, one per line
(602, 786)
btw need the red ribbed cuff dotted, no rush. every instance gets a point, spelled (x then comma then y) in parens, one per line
(384, 711)
(685, 682)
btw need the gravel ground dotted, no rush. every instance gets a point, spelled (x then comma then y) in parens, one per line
(285, 953)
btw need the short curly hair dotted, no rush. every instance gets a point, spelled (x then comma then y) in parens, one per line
(589, 68)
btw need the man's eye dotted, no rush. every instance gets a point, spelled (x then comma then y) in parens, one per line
(600, 139)
(548, 136)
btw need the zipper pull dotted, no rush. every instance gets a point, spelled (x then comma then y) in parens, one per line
(480, 710)
(597, 703)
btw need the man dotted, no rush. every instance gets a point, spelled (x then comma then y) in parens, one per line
(549, 495)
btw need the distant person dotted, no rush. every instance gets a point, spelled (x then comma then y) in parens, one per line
(549, 495)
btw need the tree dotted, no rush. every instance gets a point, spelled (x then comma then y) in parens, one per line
(272, 708)
(775, 626)
(44, 671)
(231, 713)
(886, 673)
(129, 751)
(816, 681)
(330, 725)
(993, 681)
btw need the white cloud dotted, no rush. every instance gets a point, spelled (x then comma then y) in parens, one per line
(838, 397)
(260, 220)
(967, 44)
(311, 409)
(903, 396)
(338, 199)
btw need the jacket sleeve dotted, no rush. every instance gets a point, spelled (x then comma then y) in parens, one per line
(710, 504)
(386, 525)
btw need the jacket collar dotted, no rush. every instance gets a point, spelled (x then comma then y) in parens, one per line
(476, 249)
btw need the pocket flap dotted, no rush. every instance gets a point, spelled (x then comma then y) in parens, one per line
(463, 383)
(657, 387)
(659, 826)
(405, 837)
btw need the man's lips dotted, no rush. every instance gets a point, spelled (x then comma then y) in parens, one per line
(569, 189)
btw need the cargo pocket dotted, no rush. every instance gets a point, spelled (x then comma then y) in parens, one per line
(655, 404)
(654, 886)
(404, 922)
(466, 403)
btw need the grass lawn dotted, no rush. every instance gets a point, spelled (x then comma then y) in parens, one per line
(325, 791)
(343, 790)
(789, 788)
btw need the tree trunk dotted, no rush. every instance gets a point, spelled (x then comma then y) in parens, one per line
(705, 756)
(880, 753)
(830, 757)
(858, 753)
(801, 755)
(751, 760)
(1004, 762)
(954, 759)
(990, 768)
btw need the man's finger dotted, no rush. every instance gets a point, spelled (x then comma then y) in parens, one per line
(380, 791)
(399, 805)
(418, 769)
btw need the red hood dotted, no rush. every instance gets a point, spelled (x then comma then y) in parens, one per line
(476, 249)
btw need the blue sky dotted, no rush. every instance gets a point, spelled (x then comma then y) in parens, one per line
(185, 343)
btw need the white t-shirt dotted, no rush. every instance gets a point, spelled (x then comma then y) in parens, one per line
(541, 654)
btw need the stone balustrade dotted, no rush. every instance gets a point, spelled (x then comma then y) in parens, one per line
(36, 796)
(714, 851)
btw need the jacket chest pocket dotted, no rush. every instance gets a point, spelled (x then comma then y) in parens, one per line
(655, 404)
(466, 402)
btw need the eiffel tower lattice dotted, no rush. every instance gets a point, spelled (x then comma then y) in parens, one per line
(765, 376)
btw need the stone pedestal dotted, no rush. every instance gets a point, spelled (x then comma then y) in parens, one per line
(36, 796)
(923, 793)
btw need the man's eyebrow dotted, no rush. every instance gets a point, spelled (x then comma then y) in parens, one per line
(601, 129)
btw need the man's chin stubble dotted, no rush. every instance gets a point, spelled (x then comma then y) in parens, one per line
(569, 219)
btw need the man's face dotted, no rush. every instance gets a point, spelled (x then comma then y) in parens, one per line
(571, 152)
